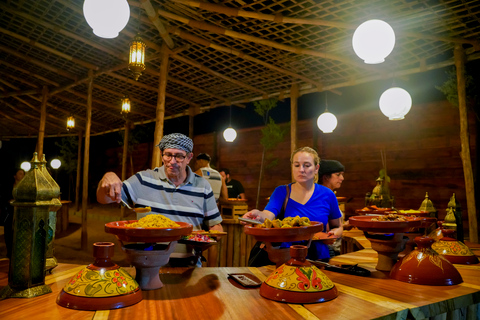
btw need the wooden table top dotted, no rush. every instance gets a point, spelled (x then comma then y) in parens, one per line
(207, 293)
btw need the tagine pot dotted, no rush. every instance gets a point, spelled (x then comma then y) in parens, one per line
(425, 266)
(101, 285)
(298, 281)
(453, 250)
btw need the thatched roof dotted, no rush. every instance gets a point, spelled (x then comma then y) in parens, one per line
(221, 53)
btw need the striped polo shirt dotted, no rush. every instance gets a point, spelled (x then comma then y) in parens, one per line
(192, 201)
(214, 179)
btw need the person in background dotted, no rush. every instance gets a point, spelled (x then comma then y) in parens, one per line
(307, 199)
(331, 175)
(216, 180)
(8, 227)
(234, 187)
(172, 190)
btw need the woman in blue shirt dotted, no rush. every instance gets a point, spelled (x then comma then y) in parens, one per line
(307, 199)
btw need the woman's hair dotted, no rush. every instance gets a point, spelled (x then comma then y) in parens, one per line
(316, 158)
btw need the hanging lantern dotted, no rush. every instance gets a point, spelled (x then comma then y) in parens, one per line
(373, 41)
(327, 122)
(230, 134)
(70, 123)
(136, 60)
(106, 17)
(395, 103)
(125, 104)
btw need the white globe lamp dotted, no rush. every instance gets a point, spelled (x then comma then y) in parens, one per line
(55, 163)
(26, 166)
(395, 103)
(327, 122)
(373, 41)
(106, 17)
(229, 134)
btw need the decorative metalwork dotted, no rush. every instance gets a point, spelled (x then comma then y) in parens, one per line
(136, 61)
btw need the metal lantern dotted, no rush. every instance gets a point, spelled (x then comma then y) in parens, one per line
(126, 104)
(230, 134)
(395, 103)
(136, 60)
(327, 122)
(70, 122)
(373, 41)
(106, 17)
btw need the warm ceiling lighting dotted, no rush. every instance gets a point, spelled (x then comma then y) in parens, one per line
(55, 163)
(126, 104)
(395, 103)
(230, 134)
(327, 122)
(70, 122)
(136, 60)
(106, 17)
(373, 41)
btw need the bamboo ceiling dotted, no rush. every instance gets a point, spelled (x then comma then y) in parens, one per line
(220, 53)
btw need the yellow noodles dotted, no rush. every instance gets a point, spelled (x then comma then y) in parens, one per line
(154, 221)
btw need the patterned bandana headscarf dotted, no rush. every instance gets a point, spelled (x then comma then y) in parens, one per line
(176, 141)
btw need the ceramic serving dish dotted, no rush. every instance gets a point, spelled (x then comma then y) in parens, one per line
(150, 235)
(453, 250)
(365, 223)
(284, 234)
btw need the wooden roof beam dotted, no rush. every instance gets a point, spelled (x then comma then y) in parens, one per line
(120, 94)
(237, 35)
(26, 125)
(190, 37)
(217, 74)
(155, 20)
(29, 73)
(36, 117)
(212, 7)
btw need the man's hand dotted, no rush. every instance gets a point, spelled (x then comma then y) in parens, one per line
(109, 189)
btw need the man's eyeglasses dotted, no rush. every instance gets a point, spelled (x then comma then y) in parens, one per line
(179, 157)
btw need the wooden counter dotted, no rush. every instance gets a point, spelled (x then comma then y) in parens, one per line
(206, 293)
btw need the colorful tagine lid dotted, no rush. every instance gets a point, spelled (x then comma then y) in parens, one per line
(298, 281)
(101, 285)
(453, 250)
(425, 266)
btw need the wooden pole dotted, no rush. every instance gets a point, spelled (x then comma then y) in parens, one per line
(86, 161)
(43, 118)
(79, 171)
(465, 142)
(191, 118)
(124, 158)
(160, 114)
(293, 118)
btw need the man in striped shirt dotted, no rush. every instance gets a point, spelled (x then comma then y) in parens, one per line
(172, 190)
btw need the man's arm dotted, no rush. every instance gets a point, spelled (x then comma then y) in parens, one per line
(223, 191)
(217, 227)
(242, 196)
(109, 189)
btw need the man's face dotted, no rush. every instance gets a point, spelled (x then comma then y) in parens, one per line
(175, 161)
(225, 176)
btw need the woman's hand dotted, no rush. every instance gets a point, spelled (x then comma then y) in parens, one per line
(253, 215)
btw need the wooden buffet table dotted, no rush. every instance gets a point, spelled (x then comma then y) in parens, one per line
(207, 293)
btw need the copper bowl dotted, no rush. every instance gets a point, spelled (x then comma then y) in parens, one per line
(284, 234)
(149, 235)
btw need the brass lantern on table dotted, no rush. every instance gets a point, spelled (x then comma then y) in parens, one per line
(136, 60)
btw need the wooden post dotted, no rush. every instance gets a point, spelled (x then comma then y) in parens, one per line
(191, 118)
(465, 142)
(293, 118)
(124, 158)
(86, 157)
(79, 171)
(43, 118)
(160, 115)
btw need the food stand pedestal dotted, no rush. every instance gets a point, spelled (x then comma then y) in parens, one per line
(207, 293)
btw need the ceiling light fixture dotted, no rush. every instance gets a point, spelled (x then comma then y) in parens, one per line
(230, 134)
(126, 105)
(373, 41)
(106, 17)
(136, 60)
(395, 103)
(327, 122)
(70, 123)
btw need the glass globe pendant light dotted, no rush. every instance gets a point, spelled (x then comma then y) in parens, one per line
(327, 122)
(106, 17)
(395, 103)
(230, 134)
(373, 41)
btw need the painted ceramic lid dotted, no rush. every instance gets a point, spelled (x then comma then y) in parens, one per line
(425, 266)
(453, 250)
(101, 285)
(298, 281)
